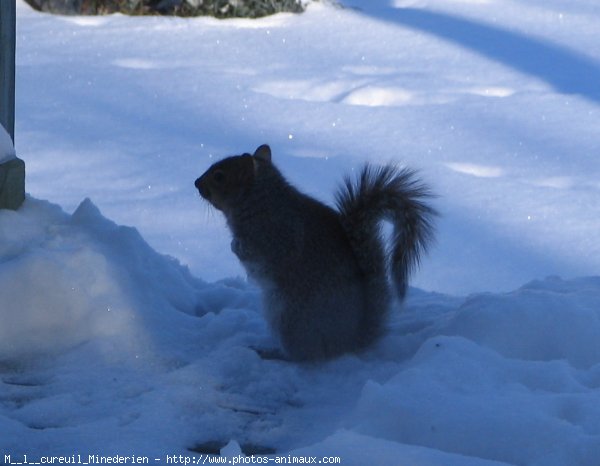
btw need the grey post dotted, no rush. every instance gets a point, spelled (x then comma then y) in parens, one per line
(12, 172)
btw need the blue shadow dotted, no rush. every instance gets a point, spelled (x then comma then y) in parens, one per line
(567, 70)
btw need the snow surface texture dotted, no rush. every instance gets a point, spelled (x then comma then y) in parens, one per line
(107, 346)
(496, 102)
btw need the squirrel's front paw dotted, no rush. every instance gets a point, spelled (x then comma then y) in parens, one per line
(241, 250)
(236, 247)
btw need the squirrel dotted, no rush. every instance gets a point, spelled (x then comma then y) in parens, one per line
(323, 271)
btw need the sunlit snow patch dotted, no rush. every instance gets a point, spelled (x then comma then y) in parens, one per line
(374, 96)
(492, 91)
(480, 171)
(86, 21)
(135, 63)
(557, 182)
(309, 90)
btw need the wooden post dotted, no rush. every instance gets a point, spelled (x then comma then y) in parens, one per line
(7, 66)
(12, 172)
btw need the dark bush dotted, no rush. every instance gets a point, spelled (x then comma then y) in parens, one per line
(218, 8)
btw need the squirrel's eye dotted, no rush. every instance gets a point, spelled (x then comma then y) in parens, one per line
(219, 177)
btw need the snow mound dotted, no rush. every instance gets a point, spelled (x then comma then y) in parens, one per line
(542, 321)
(69, 279)
(108, 347)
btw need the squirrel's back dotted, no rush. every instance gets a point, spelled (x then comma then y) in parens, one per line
(323, 272)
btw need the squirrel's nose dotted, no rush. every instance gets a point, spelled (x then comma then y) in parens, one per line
(203, 190)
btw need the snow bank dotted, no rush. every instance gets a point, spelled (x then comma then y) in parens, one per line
(457, 396)
(552, 314)
(108, 347)
(69, 279)
(92, 319)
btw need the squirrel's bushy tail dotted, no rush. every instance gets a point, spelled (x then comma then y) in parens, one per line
(393, 194)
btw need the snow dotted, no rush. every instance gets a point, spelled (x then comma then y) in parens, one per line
(488, 100)
(7, 151)
(138, 340)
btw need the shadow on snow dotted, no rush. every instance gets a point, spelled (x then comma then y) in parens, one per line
(567, 70)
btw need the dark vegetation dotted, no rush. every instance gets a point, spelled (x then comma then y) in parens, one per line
(217, 8)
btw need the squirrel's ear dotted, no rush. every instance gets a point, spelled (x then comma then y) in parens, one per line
(263, 153)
